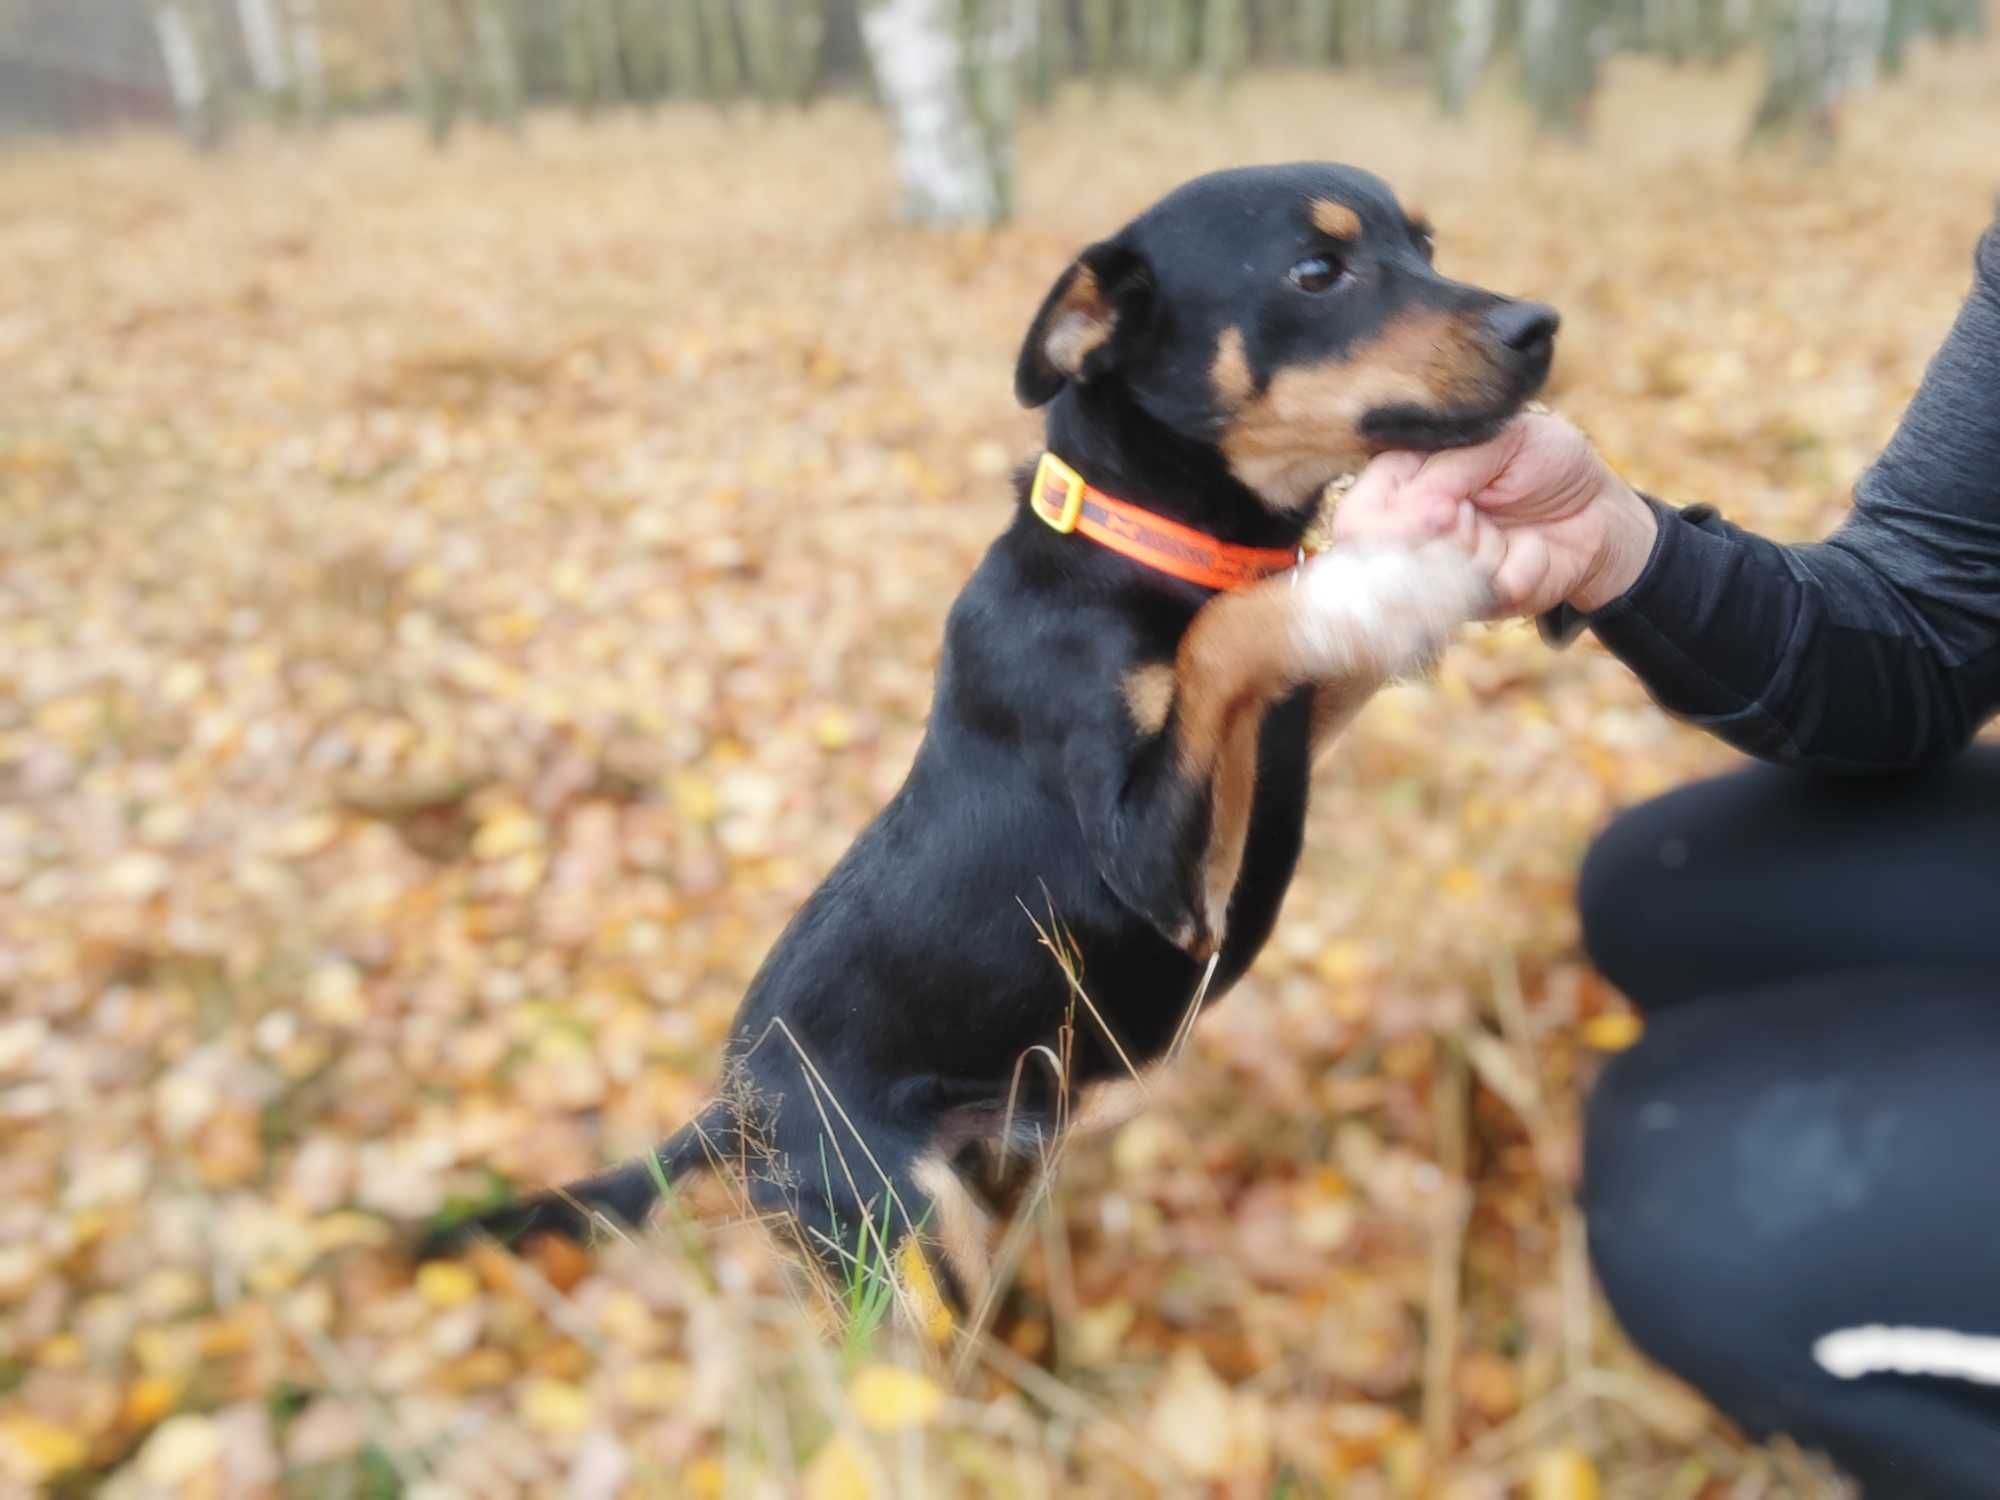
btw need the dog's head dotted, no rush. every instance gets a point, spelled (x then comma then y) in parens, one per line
(1290, 317)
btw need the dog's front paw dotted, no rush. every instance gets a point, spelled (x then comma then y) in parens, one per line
(1385, 611)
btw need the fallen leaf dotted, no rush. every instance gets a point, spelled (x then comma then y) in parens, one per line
(887, 1398)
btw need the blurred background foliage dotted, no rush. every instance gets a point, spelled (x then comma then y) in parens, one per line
(956, 71)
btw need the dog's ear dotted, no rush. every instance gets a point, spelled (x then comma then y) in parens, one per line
(1092, 317)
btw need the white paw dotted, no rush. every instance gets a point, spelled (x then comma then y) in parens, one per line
(1385, 611)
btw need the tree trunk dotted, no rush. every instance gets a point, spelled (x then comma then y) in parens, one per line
(607, 50)
(499, 67)
(723, 48)
(308, 61)
(1463, 41)
(1223, 41)
(1820, 50)
(579, 58)
(426, 90)
(264, 46)
(1559, 63)
(183, 49)
(1050, 62)
(687, 67)
(804, 32)
(763, 46)
(1319, 31)
(645, 51)
(1099, 23)
(953, 153)
(1711, 22)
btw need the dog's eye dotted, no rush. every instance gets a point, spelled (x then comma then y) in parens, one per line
(1316, 273)
(1426, 241)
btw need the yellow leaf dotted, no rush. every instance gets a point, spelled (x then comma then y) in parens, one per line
(36, 1449)
(555, 1408)
(1562, 1474)
(654, 1385)
(889, 1399)
(150, 1398)
(509, 831)
(1462, 883)
(694, 796)
(445, 1283)
(1613, 1031)
(703, 1479)
(306, 836)
(834, 730)
(838, 1472)
(1343, 962)
(927, 1301)
(60, 1351)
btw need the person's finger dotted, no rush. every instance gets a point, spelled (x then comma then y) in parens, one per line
(1522, 577)
(1461, 473)
(1481, 538)
(1373, 510)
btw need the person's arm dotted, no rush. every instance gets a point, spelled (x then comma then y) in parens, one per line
(1875, 649)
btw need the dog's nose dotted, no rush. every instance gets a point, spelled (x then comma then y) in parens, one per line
(1524, 327)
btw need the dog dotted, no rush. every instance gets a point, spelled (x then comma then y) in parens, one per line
(1109, 799)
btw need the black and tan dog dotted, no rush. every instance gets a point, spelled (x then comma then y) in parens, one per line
(1132, 687)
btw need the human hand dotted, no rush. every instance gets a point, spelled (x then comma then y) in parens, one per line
(1536, 507)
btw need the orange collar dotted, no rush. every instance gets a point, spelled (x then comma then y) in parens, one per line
(1062, 499)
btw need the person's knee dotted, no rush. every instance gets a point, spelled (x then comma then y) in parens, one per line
(1679, 1270)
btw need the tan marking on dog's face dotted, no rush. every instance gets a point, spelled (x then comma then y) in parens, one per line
(1082, 322)
(1149, 696)
(958, 1223)
(1304, 428)
(1229, 372)
(1335, 220)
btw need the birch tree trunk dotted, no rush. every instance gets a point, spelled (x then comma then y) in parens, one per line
(1559, 62)
(687, 66)
(764, 46)
(955, 165)
(425, 88)
(1051, 61)
(264, 46)
(645, 50)
(726, 67)
(184, 51)
(579, 58)
(1319, 30)
(1820, 50)
(1099, 22)
(1222, 41)
(606, 42)
(308, 61)
(499, 68)
(1463, 40)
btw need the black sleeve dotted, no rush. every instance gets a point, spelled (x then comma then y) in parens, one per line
(1875, 649)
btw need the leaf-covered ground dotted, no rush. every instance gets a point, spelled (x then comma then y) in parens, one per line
(453, 607)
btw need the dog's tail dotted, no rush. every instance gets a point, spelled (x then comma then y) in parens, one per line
(625, 1194)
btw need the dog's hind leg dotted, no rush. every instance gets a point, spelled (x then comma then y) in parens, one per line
(878, 1209)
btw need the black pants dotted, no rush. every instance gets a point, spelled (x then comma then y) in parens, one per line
(1807, 1138)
